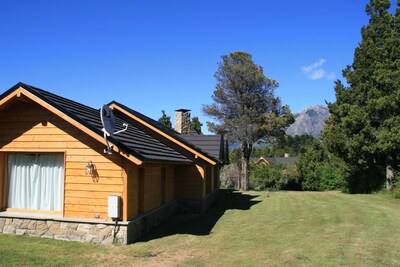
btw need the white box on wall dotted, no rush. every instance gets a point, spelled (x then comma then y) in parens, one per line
(113, 206)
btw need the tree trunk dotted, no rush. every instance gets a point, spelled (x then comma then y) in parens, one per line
(246, 153)
(389, 177)
(239, 181)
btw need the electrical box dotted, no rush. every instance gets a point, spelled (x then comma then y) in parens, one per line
(113, 206)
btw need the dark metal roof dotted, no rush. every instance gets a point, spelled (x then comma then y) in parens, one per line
(212, 144)
(283, 160)
(206, 150)
(132, 141)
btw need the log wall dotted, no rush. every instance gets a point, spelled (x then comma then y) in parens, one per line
(29, 128)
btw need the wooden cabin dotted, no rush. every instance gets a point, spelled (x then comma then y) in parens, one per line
(57, 181)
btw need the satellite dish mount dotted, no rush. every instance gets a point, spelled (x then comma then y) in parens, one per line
(108, 121)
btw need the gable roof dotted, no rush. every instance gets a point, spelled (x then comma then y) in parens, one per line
(134, 143)
(181, 140)
(214, 145)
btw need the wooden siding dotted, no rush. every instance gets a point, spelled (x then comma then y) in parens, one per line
(27, 127)
(152, 188)
(131, 191)
(169, 189)
(141, 190)
(189, 181)
(163, 185)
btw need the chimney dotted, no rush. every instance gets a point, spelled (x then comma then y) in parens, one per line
(182, 121)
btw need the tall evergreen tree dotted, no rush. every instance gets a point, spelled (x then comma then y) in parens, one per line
(245, 106)
(364, 126)
(195, 125)
(165, 119)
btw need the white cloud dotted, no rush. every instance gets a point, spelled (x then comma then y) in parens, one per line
(314, 66)
(331, 76)
(315, 71)
(317, 74)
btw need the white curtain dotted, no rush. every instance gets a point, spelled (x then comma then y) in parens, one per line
(35, 181)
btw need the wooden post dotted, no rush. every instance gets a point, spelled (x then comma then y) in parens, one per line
(212, 185)
(2, 180)
(201, 170)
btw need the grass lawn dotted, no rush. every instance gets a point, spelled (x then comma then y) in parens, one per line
(251, 229)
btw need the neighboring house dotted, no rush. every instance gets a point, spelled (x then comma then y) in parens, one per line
(289, 161)
(55, 179)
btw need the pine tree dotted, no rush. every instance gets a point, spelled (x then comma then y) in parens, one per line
(364, 126)
(165, 119)
(195, 125)
(245, 106)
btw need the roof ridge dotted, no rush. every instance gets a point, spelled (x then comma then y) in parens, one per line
(40, 90)
(165, 129)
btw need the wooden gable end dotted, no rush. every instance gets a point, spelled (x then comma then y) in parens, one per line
(28, 127)
(21, 94)
(262, 160)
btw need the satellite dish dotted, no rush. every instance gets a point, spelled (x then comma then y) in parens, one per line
(108, 122)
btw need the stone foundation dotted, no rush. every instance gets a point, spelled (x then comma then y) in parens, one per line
(96, 231)
(87, 231)
(99, 233)
(145, 222)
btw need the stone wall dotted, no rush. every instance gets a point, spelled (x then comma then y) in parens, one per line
(144, 223)
(62, 230)
(87, 231)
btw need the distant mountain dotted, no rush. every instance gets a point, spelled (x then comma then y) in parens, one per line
(309, 121)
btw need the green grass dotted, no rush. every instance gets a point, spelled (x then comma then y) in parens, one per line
(252, 229)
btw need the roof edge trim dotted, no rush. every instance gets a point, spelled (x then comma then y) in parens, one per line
(169, 137)
(23, 89)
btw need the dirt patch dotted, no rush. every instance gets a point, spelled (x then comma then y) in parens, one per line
(118, 257)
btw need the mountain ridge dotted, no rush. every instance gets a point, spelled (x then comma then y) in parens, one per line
(310, 120)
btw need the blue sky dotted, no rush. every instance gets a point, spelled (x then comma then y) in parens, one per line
(154, 55)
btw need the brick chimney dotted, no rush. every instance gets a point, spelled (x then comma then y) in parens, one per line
(182, 121)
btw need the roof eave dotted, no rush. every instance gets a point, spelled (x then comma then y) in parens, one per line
(24, 89)
(179, 141)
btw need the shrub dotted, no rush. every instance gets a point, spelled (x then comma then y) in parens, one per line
(396, 186)
(273, 177)
(396, 192)
(320, 171)
(230, 176)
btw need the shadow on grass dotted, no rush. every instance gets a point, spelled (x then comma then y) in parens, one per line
(203, 223)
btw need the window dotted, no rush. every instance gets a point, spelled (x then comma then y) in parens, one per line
(35, 181)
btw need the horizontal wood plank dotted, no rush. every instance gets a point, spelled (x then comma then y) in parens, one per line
(94, 187)
(86, 214)
(98, 173)
(87, 201)
(90, 194)
(93, 180)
